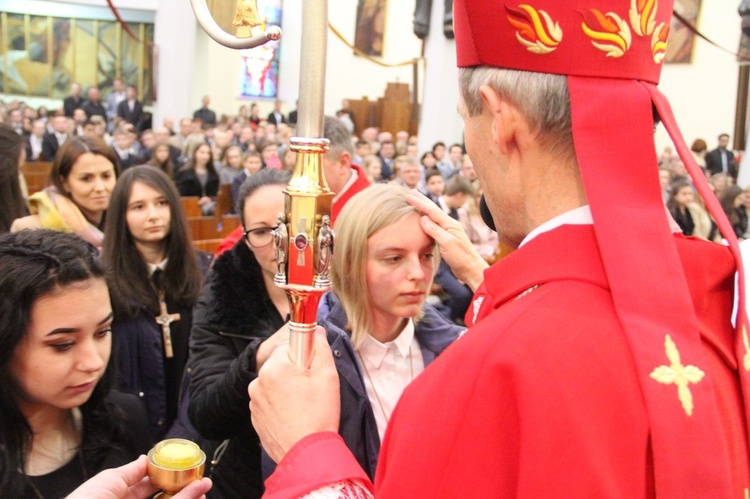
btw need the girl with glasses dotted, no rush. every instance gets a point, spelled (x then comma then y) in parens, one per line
(239, 308)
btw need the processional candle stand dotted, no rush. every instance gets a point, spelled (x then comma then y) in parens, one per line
(304, 238)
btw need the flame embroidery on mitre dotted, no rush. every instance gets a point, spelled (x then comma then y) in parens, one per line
(612, 36)
(659, 42)
(643, 16)
(536, 29)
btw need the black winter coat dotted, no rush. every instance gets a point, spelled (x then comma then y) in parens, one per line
(233, 316)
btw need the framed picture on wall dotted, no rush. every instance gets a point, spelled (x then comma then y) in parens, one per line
(370, 28)
(681, 40)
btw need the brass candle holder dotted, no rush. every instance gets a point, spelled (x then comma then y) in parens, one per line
(173, 464)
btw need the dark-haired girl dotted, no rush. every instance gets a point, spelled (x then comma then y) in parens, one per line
(199, 178)
(155, 277)
(59, 422)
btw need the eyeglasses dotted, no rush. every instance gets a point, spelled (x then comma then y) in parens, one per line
(260, 237)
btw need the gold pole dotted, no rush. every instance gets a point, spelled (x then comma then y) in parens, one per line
(304, 238)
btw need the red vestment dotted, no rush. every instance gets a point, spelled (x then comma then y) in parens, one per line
(540, 397)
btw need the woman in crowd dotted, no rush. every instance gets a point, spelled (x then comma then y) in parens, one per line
(12, 157)
(154, 272)
(198, 178)
(428, 160)
(733, 201)
(288, 160)
(239, 308)
(59, 422)
(240, 318)
(161, 159)
(373, 168)
(254, 117)
(484, 239)
(698, 150)
(231, 162)
(80, 185)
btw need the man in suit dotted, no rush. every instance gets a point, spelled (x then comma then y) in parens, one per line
(34, 140)
(52, 141)
(276, 117)
(721, 160)
(124, 145)
(204, 113)
(79, 120)
(93, 105)
(293, 116)
(131, 109)
(386, 154)
(73, 101)
(115, 98)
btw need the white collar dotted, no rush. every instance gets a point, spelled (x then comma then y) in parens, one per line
(152, 267)
(375, 351)
(576, 216)
(352, 178)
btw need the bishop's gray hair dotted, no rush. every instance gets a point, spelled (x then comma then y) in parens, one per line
(542, 98)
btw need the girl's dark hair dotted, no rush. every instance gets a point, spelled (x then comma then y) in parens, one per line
(127, 271)
(12, 204)
(674, 189)
(727, 203)
(267, 176)
(34, 263)
(166, 166)
(73, 149)
(191, 162)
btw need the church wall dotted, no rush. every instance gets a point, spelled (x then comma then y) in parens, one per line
(347, 75)
(702, 94)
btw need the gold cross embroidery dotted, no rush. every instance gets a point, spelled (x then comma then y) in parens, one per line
(677, 374)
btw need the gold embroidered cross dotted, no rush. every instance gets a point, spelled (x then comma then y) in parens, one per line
(677, 374)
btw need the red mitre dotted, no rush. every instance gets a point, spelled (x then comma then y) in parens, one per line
(611, 52)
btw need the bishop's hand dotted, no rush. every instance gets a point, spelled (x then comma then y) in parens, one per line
(455, 247)
(288, 402)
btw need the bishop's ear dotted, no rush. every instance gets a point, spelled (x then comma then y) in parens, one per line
(504, 116)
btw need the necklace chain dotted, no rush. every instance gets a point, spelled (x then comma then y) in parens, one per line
(374, 390)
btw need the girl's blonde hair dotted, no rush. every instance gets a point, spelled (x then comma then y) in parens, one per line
(371, 210)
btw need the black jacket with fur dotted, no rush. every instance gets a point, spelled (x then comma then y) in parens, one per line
(234, 314)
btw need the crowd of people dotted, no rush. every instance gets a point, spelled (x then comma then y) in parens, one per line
(111, 214)
(117, 333)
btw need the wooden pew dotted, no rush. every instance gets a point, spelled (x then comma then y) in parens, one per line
(209, 245)
(208, 228)
(36, 175)
(191, 207)
(224, 200)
